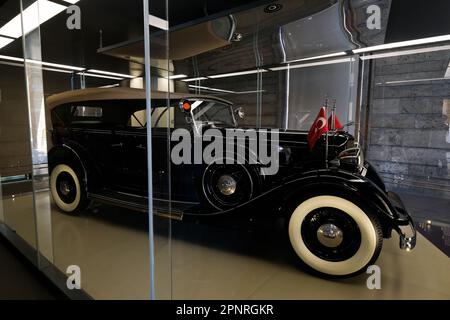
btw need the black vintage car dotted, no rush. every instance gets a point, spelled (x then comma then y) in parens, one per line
(335, 204)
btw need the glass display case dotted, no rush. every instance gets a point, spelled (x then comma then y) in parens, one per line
(290, 141)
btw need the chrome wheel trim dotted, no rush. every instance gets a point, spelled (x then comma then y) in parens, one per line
(330, 235)
(226, 185)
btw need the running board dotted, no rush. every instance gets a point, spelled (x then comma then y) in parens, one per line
(136, 203)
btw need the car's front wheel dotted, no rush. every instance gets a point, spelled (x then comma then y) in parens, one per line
(67, 189)
(335, 236)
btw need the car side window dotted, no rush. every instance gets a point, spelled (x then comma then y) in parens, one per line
(86, 114)
(138, 119)
(162, 117)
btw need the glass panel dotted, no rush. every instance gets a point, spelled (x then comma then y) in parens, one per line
(408, 128)
(16, 162)
(226, 246)
(33, 14)
(161, 108)
(96, 160)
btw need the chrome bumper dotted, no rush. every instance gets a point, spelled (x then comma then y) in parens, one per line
(407, 236)
(406, 229)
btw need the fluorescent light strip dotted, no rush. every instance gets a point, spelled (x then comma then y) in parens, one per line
(97, 76)
(5, 41)
(313, 64)
(404, 44)
(252, 91)
(33, 16)
(56, 65)
(48, 64)
(56, 70)
(158, 22)
(71, 1)
(114, 74)
(11, 58)
(177, 76)
(110, 85)
(211, 89)
(413, 81)
(194, 79)
(331, 55)
(234, 74)
(405, 52)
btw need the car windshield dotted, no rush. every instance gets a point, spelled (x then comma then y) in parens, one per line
(213, 112)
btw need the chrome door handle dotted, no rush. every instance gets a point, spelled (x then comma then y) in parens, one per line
(117, 144)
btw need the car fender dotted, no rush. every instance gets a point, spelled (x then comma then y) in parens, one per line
(70, 151)
(347, 183)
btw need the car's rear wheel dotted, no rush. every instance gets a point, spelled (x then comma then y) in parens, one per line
(67, 189)
(335, 236)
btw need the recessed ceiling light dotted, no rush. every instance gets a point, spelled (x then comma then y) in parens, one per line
(114, 74)
(177, 76)
(234, 74)
(5, 41)
(33, 16)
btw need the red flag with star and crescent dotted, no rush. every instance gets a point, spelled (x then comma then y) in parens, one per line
(318, 128)
(337, 124)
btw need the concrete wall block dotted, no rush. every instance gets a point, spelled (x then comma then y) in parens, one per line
(421, 105)
(409, 76)
(392, 121)
(415, 67)
(429, 172)
(386, 137)
(430, 121)
(408, 155)
(439, 139)
(441, 88)
(403, 91)
(443, 55)
(383, 106)
(390, 167)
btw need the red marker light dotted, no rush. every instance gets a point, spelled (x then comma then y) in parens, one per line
(186, 106)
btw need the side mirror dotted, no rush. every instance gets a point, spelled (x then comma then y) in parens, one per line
(239, 112)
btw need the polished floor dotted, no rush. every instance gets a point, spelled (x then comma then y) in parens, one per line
(20, 280)
(198, 261)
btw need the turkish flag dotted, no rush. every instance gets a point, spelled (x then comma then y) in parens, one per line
(337, 123)
(318, 128)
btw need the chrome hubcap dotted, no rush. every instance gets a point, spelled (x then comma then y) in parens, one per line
(226, 185)
(65, 188)
(330, 235)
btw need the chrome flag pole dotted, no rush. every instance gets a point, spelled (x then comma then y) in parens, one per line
(333, 116)
(326, 136)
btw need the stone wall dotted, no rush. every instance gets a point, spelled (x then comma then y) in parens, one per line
(408, 137)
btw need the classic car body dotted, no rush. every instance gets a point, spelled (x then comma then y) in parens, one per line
(336, 205)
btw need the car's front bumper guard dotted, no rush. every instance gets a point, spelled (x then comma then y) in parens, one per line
(407, 235)
(405, 230)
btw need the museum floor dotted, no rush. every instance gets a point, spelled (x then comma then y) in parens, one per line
(206, 262)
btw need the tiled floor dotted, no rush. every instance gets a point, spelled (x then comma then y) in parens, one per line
(206, 262)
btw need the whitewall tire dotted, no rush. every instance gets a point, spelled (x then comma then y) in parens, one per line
(344, 256)
(65, 187)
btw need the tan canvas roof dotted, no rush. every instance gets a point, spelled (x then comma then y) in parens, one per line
(116, 93)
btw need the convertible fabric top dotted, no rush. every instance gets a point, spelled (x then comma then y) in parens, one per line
(117, 93)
